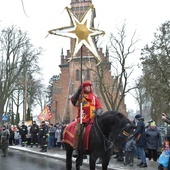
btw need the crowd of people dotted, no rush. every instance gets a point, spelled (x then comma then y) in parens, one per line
(46, 136)
(145, 139)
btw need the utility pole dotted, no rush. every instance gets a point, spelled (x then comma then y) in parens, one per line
(25, 96)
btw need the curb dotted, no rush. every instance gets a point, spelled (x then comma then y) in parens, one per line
(56, 156)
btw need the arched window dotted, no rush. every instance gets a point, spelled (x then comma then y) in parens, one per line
(77, 75)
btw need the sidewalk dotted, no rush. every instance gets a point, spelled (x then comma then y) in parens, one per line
(60, 154)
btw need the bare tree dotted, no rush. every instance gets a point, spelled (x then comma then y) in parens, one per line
(17, 55)
(142, 98)
(118, 52)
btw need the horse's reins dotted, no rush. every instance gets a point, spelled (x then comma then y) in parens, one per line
(122, 133)
(107, 142)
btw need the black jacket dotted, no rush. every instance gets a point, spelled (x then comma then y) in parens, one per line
(43, 131)
(23, 130)
(140, 131)
(34, 128)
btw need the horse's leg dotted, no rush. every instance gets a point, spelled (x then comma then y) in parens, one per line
(78, 163)
(79, 160)
(68, 160)
(69, 151)
(92, 162)
(105, 161)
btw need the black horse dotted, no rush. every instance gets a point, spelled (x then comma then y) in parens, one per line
(108, 130)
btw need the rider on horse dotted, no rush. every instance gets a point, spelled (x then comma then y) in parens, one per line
(90, 107)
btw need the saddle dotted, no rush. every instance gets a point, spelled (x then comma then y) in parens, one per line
(69, 131)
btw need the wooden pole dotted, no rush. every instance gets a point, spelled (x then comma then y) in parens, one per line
(81, 81)
(80, 160)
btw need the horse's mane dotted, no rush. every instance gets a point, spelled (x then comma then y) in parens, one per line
(113, 116)
(111, 113)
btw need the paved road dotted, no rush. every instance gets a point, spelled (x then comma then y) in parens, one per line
(17, 160)
(60, 154)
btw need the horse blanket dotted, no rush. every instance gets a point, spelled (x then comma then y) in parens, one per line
(69, 131)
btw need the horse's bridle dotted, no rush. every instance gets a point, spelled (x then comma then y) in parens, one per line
(122, 134)
(109, 143)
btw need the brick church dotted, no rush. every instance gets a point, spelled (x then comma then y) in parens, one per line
(67, 82)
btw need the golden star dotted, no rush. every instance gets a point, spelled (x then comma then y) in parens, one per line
(82, 31)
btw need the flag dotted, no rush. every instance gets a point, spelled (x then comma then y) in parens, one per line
(45, 114)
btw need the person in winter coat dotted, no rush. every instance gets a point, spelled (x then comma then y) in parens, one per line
(140, 137)
(17, 136)
(28, 135)
(11, 136)
(34, 134)
(43, 135)
(58, 135)
(51, 137)
(129, 151)
(90, 107)
(23, 132)
(153, 140)
(167, 120)
(4, 140)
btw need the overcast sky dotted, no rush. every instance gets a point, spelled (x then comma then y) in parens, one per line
(144, 16)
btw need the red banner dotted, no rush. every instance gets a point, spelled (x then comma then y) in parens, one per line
(45, 114)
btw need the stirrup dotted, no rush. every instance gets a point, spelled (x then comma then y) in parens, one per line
(75, 153)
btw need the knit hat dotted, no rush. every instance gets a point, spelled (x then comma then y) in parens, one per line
(153, 123)
(86, 83)
(138, 116)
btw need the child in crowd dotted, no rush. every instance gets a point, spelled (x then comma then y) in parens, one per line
(16, 137)
(129, 151)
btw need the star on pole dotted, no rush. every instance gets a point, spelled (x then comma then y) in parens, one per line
(82, 31)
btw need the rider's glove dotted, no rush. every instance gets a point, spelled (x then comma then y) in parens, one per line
(98, 111)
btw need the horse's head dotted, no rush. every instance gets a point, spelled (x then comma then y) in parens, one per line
(121, 131)
(112, 129)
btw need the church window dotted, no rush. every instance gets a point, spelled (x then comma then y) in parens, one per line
(77, 75)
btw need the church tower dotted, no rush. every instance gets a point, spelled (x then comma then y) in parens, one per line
(70, 78)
